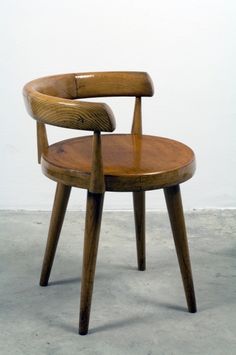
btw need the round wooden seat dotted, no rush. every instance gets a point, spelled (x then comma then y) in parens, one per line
(130, 162)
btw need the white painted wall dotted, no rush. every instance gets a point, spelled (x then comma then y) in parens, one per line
(187, 46)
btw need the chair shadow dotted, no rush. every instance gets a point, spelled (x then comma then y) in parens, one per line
(108, 326)
(65, 281)
(123, 322)
(117, 324)
(158, 303)
(71, 280)
(133, 320)
(173, 306)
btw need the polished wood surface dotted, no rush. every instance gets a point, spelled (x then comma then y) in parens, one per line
(137, 119)
(90, 116)
(42, 139)
(130, 162)
(59, 208)
(113, 84)
(175, 210)
(52, 100)
(125, 162)
(139, 219)
(91, 238)
(96, 181)
(139, 196)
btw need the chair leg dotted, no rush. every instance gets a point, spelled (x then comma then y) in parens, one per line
(91, 238)
(59, 208)
(139, 218)
(175, 210)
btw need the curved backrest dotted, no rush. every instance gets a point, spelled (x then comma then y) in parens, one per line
(113, 84)
(52, 99)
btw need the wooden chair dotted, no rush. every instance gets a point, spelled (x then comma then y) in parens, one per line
(111, 162)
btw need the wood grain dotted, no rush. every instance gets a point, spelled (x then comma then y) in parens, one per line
(42, 140)
(175, 210)
(139, 218)
(52, 100)
(67, 113)
(102, 84)
(91, 238)
(62, 86)
(59, 209)
(137, 118)
(130, 162)
(97, 183)
(139, 196)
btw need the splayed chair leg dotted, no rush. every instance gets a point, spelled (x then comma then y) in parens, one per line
(91, 238)
(58, 213)
(175, 210)
(139, 218)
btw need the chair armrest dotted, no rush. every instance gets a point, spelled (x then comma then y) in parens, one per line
(56, 111)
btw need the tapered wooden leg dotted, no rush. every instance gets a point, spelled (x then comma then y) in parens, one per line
(139, 218)
(91, 238)
(59, 208)
(175, 210)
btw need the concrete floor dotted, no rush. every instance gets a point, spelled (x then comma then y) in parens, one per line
(133, 312)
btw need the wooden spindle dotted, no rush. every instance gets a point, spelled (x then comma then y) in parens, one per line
(42, 139)
(97, 183)
(137, 118)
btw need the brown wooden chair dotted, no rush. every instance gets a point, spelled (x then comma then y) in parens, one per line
(111, 162)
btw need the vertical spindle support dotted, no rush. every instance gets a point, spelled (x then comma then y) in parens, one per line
(97, 183)
(137, 118)
(42, 139)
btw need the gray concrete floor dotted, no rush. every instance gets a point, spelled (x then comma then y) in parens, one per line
(133, 312)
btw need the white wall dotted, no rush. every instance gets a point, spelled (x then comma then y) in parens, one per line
(187, 46)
